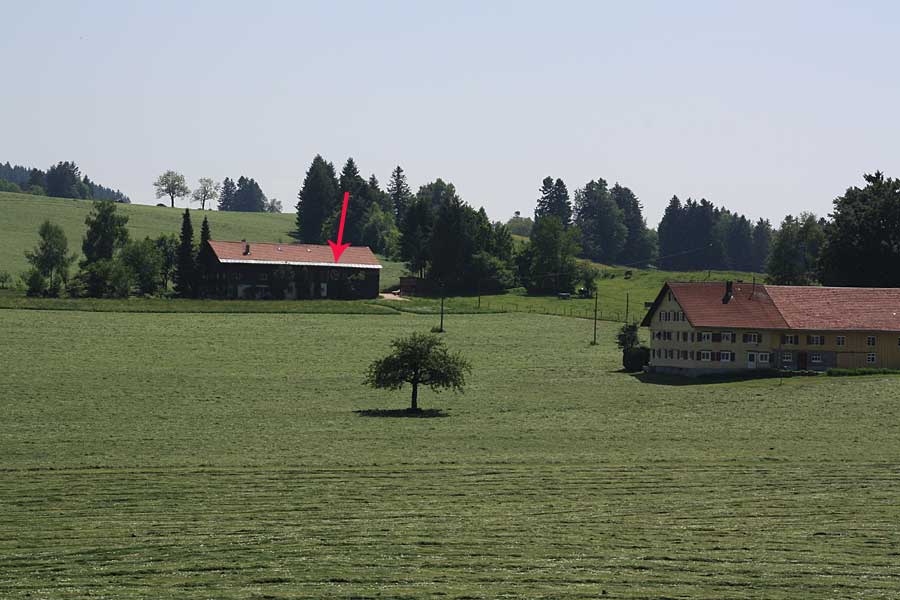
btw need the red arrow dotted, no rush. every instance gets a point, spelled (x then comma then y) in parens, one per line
(338, 249)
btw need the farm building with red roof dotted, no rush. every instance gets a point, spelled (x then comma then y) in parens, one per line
(254, 270)
(712, 327)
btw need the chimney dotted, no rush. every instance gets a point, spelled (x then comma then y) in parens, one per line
(729, 292)
(247, 249)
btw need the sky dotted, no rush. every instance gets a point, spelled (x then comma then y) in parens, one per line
(767, 108)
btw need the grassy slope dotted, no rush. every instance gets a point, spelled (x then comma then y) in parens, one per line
(23, 214)
(200, 456)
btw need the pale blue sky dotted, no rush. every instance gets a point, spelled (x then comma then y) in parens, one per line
(767, 108)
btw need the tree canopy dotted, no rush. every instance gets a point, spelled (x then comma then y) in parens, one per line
(862, 241)
(171, 184)
(106, 232)
(419, 359)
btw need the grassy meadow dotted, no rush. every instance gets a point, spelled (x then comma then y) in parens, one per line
(195, 456)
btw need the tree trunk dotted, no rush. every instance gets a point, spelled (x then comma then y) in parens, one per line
(172, 198)
(415, 397)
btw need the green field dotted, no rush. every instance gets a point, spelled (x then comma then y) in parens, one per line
(222, 456)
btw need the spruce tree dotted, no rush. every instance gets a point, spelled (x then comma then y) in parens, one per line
(360, 201)
(185, 268)
(205, 261)
(248, 196)
(316, 200)
(554, 201)
(601, 222)
(226, 198)
(399, 193)
(762, 244)
(638, 250)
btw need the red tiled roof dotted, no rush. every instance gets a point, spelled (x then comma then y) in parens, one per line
(838, 308)
(750, 307)
(786, 307)
(360, 257)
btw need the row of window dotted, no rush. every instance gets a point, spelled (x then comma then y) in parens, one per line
(819, 340)
(707, 336)
(788, 339)
(787, 358)
(671, 315)
(703, 355)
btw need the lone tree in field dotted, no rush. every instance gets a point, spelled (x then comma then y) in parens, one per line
(420, 359)
(171, 184)
(207, 191)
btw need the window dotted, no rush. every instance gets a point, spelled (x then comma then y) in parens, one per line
(787, 358)
(706, 336)
(692, 355)
(815, 340)
(705, 355)
(669, 336)
(815, 357)
(751, 338)
(725, 357)
(763, 357)
(871, 358)
(870, 341)
(790, 338)
(841, 340)
(684, 336)
(682, 316)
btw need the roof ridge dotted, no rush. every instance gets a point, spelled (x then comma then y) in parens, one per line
(775, 304)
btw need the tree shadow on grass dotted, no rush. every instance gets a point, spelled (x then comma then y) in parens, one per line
(395, 413)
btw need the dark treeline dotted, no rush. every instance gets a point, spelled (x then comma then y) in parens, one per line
(245, 196)
(62, 180)
(441, 238)
(858, 246)
(699, 235)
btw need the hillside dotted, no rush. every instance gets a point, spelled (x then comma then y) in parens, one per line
(23, 214)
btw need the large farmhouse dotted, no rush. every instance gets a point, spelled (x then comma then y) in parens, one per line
(701, 328)
(293, 271)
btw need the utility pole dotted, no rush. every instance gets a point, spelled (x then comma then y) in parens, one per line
(596, 301)
(442, 307)
(626, 307)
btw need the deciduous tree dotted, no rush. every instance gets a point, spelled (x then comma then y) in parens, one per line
(171, 184)
(50, 259)
(419, 359)
(106, 232)
(862, 242)
(207, 191)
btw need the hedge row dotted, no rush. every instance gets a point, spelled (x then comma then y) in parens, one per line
(863, 371)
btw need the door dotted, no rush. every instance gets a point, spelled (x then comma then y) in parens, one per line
(801, 361)
(751, 360)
